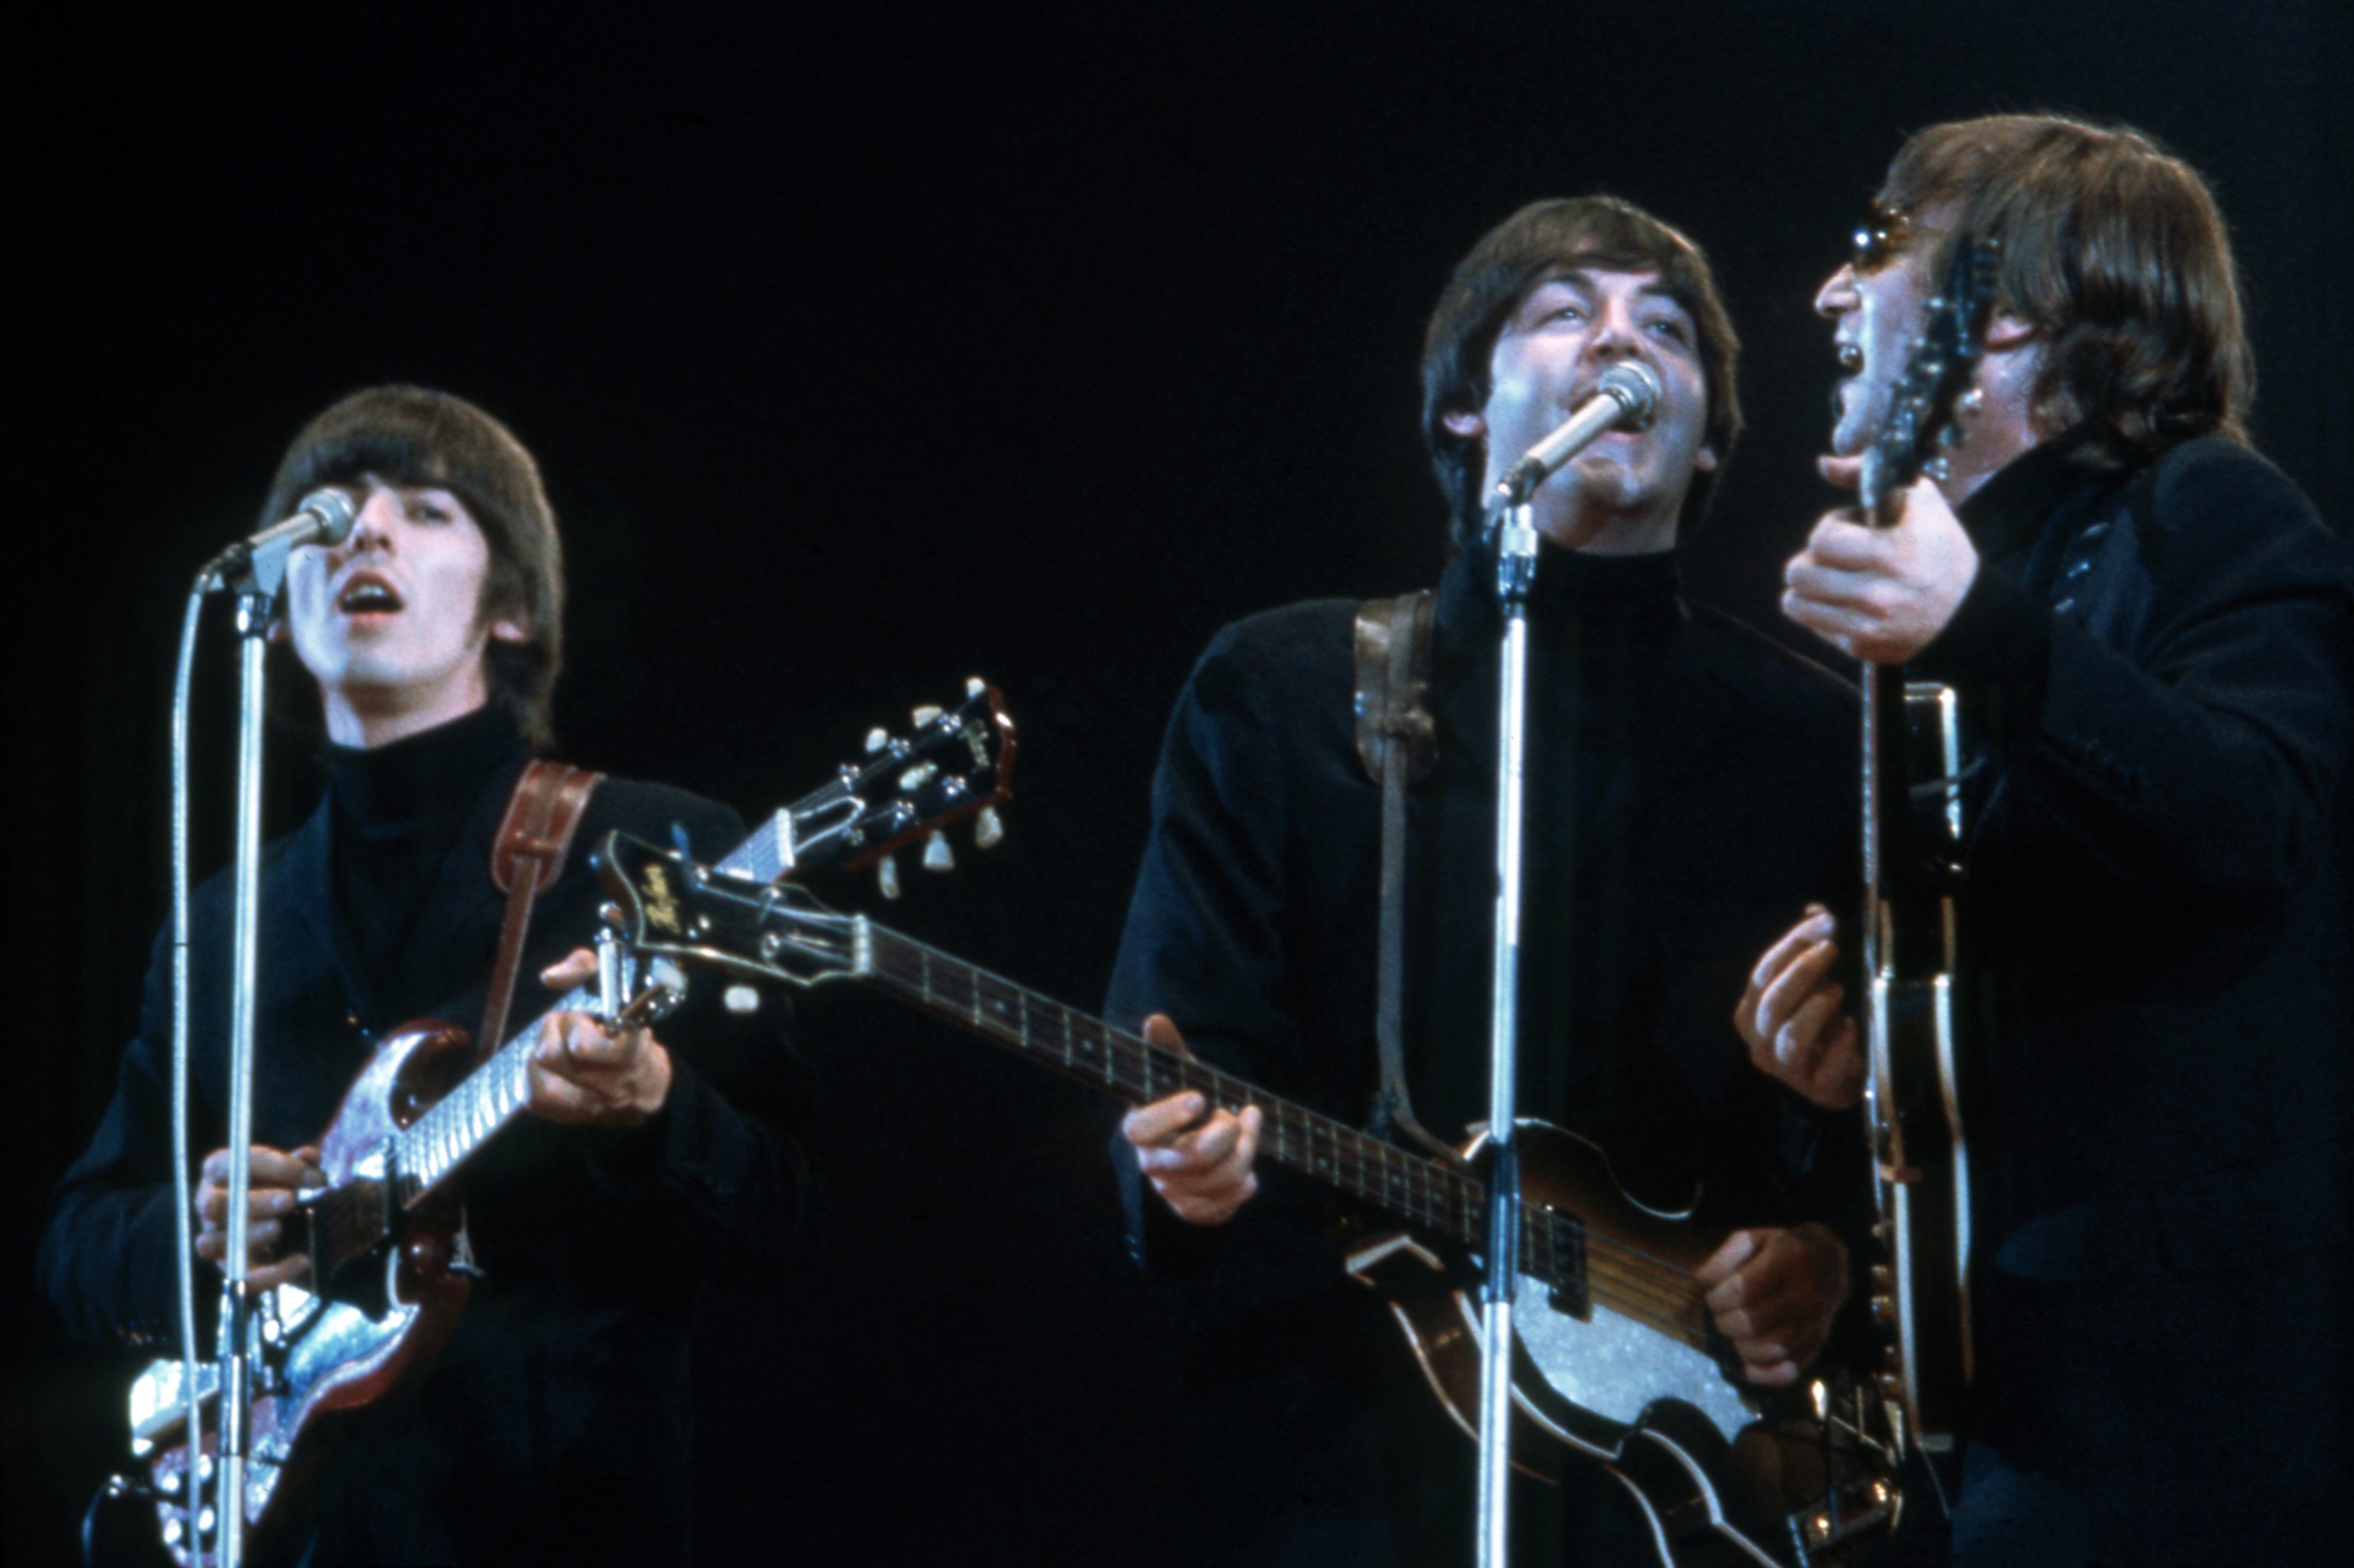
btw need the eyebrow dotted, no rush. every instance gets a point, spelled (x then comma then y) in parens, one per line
(1583, 276)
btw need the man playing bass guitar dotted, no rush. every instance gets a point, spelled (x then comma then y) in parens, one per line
(551, 1427)
(1669, 744)
(2152, 636)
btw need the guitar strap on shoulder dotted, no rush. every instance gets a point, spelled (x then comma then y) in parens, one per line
(526, 859)
(1398, 745)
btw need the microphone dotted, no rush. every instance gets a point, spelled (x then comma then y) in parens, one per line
(1627, 395)
(325, 517)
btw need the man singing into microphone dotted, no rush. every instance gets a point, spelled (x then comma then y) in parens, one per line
(1684, 775)
(553, 1426)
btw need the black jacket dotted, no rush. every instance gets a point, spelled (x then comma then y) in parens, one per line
(554, 1426)
(1698, 777)
(2161, 925)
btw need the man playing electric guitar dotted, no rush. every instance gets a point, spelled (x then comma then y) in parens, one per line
(552, 1427)
(1677, 793)
(2153, 635)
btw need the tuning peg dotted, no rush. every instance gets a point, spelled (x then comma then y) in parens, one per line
(926, 715)
(938, 856)
(740, 999)
(876, 739)
(974, 685)
(887, 876)
(988, 829)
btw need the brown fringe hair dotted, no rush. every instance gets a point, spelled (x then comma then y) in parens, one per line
(2115, 249)
(415, 436)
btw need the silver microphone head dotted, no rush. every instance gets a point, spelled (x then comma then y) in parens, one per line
(336, 513)
(1637, 388)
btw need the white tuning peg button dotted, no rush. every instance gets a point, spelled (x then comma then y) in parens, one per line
(937, 854)
(926, 715)
(988, 829)
(876, 739)
(740, 999)
(887, 876)
(974, 685)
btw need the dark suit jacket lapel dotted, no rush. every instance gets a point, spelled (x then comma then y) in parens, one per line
(308, 872)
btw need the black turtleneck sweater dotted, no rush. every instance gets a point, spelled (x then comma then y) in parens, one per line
(399, 810)
(553, 1428)
(1690, 790)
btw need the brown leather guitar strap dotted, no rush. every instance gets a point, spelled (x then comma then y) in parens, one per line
(1398, 745)
(526, 859)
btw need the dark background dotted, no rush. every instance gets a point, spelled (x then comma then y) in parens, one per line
(864, 352)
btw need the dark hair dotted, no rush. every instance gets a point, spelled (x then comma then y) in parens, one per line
(414, 436)
(1486, 286)
(2115, 249)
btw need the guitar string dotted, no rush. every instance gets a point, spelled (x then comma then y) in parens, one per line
(1620, 1276)
(1353, 1150)
(1305, 1125)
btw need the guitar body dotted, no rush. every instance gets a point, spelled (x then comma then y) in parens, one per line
(1914, 1101)
(371, 1316)
(1716, 1476)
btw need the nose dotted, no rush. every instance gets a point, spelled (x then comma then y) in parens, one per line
(1615, 336)
(371, 529)
(1836, 296)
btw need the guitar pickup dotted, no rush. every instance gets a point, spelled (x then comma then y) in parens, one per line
(349, 1223)
(1567, 1293)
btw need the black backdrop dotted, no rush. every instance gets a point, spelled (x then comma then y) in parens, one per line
(866, 351)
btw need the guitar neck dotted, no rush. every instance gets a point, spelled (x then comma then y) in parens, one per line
(432, 1146)
(1413, 1187)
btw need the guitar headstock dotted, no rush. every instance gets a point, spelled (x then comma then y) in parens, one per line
(731, 921)
(1921, 407)
(948, 765)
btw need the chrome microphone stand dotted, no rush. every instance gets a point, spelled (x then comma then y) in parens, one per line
(1625, 395)
(256, 585)
(183, 1200)
(1516, 568)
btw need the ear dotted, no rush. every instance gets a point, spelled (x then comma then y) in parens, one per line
(508, 628)
(2008, 332)
(1704, 459)
(1468, 426)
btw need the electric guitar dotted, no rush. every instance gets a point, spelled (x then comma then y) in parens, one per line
(1620, 1361)
(1912, 851)
(389, 1268)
